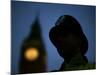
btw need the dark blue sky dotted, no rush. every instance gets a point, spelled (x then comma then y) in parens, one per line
(24, 13)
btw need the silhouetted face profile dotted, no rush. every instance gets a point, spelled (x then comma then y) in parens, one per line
(68, 37)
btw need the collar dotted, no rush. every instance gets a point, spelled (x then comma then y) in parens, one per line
(77, 60)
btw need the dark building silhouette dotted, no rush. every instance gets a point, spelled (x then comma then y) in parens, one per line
(71, 43)
(34, 40)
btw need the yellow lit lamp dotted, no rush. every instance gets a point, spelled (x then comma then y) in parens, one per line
(31, 54)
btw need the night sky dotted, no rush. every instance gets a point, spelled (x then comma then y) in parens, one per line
(24, 14)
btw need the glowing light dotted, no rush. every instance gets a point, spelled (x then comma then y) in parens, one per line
(31, 54)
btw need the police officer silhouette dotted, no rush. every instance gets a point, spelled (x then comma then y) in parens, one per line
(71, 43)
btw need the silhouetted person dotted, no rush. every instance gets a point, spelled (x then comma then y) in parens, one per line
(33, 55)
(71, 43)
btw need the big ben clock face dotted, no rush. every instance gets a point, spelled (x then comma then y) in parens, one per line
(31, 54)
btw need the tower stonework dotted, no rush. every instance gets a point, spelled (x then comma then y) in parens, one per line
(35, 45)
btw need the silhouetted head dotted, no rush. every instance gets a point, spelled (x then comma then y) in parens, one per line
(68, 37)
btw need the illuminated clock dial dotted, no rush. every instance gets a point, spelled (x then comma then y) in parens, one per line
(31, 54)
